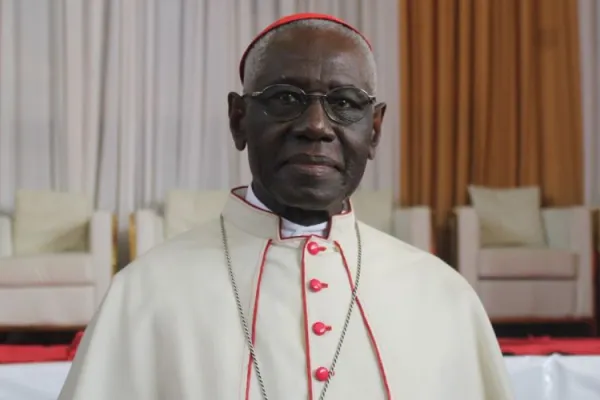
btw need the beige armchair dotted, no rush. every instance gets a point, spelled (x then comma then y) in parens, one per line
(409, 224)
(184, 209)
(57, 257)
(550, 283)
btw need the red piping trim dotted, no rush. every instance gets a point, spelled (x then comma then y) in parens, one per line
(368, 326)
(279, 236)
(305, 316)
(255, 314)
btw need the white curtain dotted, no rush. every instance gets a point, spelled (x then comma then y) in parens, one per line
(126, 99)
(589, 28)
(51, 77)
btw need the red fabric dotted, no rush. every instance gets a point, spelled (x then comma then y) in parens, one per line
(547, 345)
(13, 354)
(292, 18)
(10, 354)
(74, 345)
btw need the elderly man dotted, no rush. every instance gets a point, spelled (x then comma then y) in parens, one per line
(286, 295)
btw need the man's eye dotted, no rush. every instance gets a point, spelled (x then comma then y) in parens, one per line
(287, 98)
(342, 103)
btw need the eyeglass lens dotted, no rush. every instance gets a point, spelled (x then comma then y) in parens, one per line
(344, 104)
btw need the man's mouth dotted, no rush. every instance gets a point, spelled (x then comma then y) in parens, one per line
(314, 162)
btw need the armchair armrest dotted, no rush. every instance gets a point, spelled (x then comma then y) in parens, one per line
(468, 243)
(102, 249)
(567, 227)
(413, 226)
(6, 240)
(570, 228)
(146, 230)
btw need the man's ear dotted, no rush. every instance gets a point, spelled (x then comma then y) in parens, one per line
(237, 110)
(378, 114)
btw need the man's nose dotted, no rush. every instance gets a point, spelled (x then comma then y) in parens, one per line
(314, 124)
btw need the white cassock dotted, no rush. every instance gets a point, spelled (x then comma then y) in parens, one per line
(169, 327)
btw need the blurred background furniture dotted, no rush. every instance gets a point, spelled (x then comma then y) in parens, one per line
(184, 209)
(547, 281)
(57, 257)
(409, 224)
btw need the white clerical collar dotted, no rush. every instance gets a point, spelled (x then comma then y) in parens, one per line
(288, 228)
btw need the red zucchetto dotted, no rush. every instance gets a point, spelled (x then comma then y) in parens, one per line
(292, 18)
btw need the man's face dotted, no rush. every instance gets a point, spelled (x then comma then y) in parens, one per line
(309, 162)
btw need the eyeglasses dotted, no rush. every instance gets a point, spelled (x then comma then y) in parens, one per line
(345, 105)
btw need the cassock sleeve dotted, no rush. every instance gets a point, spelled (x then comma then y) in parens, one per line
(113, 361)
(496, 382)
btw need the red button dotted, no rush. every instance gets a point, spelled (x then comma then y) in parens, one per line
(322, 374)
(316, 285)
(314, 248)
(320, 328)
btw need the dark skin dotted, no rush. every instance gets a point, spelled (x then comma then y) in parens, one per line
(306, 193)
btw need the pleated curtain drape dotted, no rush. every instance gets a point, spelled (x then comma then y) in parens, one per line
(490, 95)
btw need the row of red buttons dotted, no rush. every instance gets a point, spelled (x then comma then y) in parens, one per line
(318, 328)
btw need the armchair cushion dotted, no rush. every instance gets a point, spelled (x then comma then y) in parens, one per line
(103, 243)
(185, 209)
(51, 222)
(413, 225)
(529, 298)
(374, 208)
(6, 239)
(509, 217)
(525, 263)
(47, 270)
(147, 230)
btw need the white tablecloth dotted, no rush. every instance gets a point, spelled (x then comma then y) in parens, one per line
(32, 381)
(534, 378)
(555, 377)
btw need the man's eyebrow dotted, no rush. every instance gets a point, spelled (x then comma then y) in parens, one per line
(289, 80)
(304, 83)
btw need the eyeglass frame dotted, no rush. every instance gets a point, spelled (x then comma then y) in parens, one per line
(321, 97)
